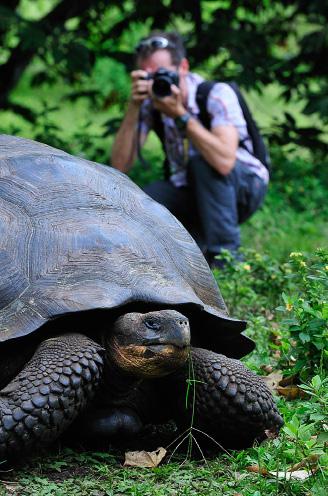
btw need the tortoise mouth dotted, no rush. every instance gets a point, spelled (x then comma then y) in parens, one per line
(164, 347)
(151, 360)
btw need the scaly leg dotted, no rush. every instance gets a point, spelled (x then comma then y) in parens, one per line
(48, 394)
(231, 403)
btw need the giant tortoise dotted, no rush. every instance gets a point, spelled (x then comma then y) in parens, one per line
(104, 301)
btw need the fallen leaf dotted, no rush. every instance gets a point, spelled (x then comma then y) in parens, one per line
(287, 475)
(10, 487)
(274, 336)
(148, 459)
(298, 474)
(257, 469)
(267, 368)
(269, 315)
(309, 461)
(291, 392)
(289, 380)
(271, 433)
(272, 380)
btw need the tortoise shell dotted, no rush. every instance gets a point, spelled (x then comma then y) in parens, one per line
(77, 236)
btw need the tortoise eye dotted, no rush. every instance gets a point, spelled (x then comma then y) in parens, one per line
(152, 324)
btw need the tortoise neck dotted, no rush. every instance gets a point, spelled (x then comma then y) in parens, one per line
(118, 386)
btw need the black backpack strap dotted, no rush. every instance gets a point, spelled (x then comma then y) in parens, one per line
(259, 149)
(202, 93)
(158, 127)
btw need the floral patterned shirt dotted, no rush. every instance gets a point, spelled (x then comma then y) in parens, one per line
(223, 108)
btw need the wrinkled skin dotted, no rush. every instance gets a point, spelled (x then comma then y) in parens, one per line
(135, 374)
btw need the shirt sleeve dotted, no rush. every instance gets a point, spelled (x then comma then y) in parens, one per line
(223, 107)
(146, 117)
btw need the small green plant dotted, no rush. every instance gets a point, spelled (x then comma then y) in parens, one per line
(306, 311)
(252, 285)
(316, 410)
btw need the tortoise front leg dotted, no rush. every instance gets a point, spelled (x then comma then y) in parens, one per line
(47, 395)
(231, 403)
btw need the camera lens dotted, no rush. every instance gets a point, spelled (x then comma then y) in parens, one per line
(161, 87)
(163, 79)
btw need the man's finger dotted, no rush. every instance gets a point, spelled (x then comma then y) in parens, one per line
(175, 90)
(139, 74)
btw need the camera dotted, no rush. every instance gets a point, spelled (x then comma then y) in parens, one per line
(163, 79)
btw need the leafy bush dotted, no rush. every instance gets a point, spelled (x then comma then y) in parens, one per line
(297, 331)
(301, 181)
(306, 305)
(252, 286)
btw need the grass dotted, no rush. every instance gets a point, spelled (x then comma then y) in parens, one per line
(279, 230)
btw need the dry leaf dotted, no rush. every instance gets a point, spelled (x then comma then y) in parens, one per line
(148, 459)
(298, 474)
(272, 380)
(10, 487)
(309, 461)
(271, 433)
(274, 336)
(257, 469)
(291, 392)
(289, 380)
(269, 315)
(287, 475)
(267, 368)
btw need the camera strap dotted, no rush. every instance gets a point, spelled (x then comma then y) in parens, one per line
(185, 150)
(143, 162)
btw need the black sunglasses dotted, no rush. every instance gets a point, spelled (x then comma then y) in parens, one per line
(155, 42)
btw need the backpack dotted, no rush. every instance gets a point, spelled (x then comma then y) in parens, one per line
(260, 150)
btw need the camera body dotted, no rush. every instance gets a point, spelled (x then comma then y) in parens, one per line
(162, 81)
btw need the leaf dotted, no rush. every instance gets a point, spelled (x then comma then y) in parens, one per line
(267, 368)
(291, 392)
(298, 474)
(10, 487)
(309, 461)
(273, 380)
(148, 459)
(257, 469)
(292, 472)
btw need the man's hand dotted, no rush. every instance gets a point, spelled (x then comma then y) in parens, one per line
(141, 87)
(171, 105)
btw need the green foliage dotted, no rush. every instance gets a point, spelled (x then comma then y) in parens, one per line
(255, 290)
(253, 285)
(300, 182)
(89, 46)
(307, 306)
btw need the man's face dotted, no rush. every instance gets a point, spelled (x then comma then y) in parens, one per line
(162, 58)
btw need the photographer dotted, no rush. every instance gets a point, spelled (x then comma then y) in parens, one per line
(213, 181)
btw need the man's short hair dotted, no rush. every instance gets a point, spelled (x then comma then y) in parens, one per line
(149, 45)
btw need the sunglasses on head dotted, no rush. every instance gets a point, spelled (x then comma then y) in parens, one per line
(154, 42)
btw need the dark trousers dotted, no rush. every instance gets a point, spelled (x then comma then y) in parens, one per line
(212, 206)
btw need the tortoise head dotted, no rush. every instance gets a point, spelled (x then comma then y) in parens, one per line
(149, 345)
